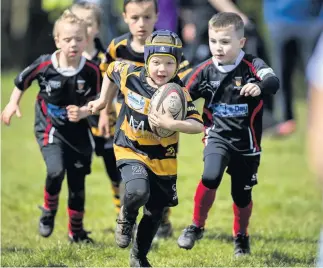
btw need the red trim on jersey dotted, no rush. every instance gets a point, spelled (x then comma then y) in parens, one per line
(34, 73)
(252, 67)
(254, 113)
(98, 83)
(49, 124)
(198, 70)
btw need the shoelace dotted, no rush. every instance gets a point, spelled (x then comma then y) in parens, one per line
(126, 228)
(191, 229)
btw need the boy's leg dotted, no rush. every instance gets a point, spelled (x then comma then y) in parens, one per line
(53, 157)
(165, 229)
(136, 195)
(113, 173)
(163, 194)
(77, 166)
(214, 166)
(243, 172)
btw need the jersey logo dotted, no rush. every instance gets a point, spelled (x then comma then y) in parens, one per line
(45, 84)
(135, 101)
(238, 82)
(80, 86)
(215, 84)
(230, 110)
(170, 151)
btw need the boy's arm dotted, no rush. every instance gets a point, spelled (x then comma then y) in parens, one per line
(192, 82)
(268, 82)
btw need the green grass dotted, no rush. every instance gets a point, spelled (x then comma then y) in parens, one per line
(284, 227)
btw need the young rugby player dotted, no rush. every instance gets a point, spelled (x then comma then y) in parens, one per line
(233, 85)
(94, 51)
(147, 163)
(67, 82)
(140, 16)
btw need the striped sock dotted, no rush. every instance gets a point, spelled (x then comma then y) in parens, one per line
(75, 224)
(50, 201)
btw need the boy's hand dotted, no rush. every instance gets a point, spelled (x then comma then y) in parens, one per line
(164, 121)
(104, 125)
(9, 111)
(75, 113)
(250, 89)
(95, 106)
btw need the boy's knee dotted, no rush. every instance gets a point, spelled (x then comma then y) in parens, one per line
(241, 197)
(212, 179)
(55, 172)
(137, 195)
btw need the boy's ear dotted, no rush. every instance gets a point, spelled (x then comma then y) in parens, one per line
(124, 17)
(57, 42)
(242, 42)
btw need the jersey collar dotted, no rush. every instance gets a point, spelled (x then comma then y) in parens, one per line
(229, 68)
(67, 71)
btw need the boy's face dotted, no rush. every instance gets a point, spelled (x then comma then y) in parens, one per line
(88, 16)
(225, 44)
(71, 40)
(161, 69)
(141, 18)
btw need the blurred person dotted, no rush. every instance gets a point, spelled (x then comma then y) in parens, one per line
(94, 51)
(109, 19)
(67, 82)
(294, 27)
(147, 168)
(315, 122)
(167, 15)
(141, 17)
(232, 84)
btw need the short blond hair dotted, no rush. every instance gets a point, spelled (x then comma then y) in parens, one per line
(226, 19)
(68, 17)
(89, 6)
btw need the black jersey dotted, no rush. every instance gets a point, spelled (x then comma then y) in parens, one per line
(235, 119)
(134, 140)
(120, 49)
(58, 89)
(101, 60)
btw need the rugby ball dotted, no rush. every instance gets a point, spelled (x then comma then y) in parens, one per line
(169, 97)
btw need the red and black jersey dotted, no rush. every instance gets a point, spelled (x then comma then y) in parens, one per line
(235, 119)
(59, 88)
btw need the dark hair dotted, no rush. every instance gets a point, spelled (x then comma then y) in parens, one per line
(126, 2)
(225, 19)
(89, 6)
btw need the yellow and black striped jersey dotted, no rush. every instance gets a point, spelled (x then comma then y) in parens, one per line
(101, 59)
(120, 49)
(134, 140)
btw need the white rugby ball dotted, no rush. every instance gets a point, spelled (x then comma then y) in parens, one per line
(169, 97)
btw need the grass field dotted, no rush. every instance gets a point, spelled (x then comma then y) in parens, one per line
(284, 228)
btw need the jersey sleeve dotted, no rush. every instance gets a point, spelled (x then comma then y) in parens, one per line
(184, 68)
(26, 77)
(192, 112)
(118, 71)
(111, 52)
(260, 69)
(192, 82)
(95, 81)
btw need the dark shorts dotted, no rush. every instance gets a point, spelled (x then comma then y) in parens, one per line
(241, 167)
(102, 145)
(163, 191)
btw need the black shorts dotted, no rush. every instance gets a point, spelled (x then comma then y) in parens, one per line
(241, 167)
(163, 191)
(102, 144)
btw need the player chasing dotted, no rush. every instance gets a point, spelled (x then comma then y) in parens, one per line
(67, 82)
(233, 85)
(147, 163)
(94, 51)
